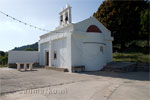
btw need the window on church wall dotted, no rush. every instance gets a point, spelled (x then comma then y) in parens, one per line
(55, 55)
(61, 18)
(66, 19)
(94, 28)
(102, 49)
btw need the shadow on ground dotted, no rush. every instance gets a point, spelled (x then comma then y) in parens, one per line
(141, 76)
(28, 70)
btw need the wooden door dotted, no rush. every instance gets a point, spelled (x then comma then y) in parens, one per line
(47, 59)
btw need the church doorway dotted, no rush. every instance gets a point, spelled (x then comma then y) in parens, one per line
(47, 58)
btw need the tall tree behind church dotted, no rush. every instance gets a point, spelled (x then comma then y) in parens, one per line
(122, 18)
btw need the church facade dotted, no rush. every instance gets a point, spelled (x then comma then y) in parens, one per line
(87, 43)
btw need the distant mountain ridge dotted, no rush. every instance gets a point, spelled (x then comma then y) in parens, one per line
(30, 47)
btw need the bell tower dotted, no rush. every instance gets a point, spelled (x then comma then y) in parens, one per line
(65, 16)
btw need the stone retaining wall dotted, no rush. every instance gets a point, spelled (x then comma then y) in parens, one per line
(131, 68)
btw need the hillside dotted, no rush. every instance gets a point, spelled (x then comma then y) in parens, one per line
(31, 47)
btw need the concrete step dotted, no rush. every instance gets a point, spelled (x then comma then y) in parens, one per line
(57, 69)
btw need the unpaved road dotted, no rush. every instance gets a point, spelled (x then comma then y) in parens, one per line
(43, 84)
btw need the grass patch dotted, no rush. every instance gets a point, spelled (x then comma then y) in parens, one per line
(131, 57)
(2, 66)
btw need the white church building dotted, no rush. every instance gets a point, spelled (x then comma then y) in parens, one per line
(87, 43)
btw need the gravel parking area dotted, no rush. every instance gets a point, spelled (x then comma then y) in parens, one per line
(42, 84)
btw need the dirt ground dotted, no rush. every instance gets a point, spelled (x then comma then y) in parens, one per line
(42, 84)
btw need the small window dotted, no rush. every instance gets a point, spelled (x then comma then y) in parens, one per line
(61, 18)
(66, 19)
(55, 55)
(102, 49)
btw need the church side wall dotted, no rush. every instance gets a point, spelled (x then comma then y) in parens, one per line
(93, 57)
(77, 51)
(86, 51)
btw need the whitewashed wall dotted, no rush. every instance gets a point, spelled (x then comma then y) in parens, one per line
(23, 56)
(60, 47)
(77, 51)
(87, 52)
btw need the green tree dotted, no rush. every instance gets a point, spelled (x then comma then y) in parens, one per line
(29, 49)
(4, 59)
(144, 22)
(122, 18)
(2, 53)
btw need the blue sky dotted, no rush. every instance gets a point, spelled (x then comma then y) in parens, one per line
(41, 13)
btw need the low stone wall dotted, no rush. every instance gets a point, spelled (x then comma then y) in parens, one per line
(143, 66)
(133, 67)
